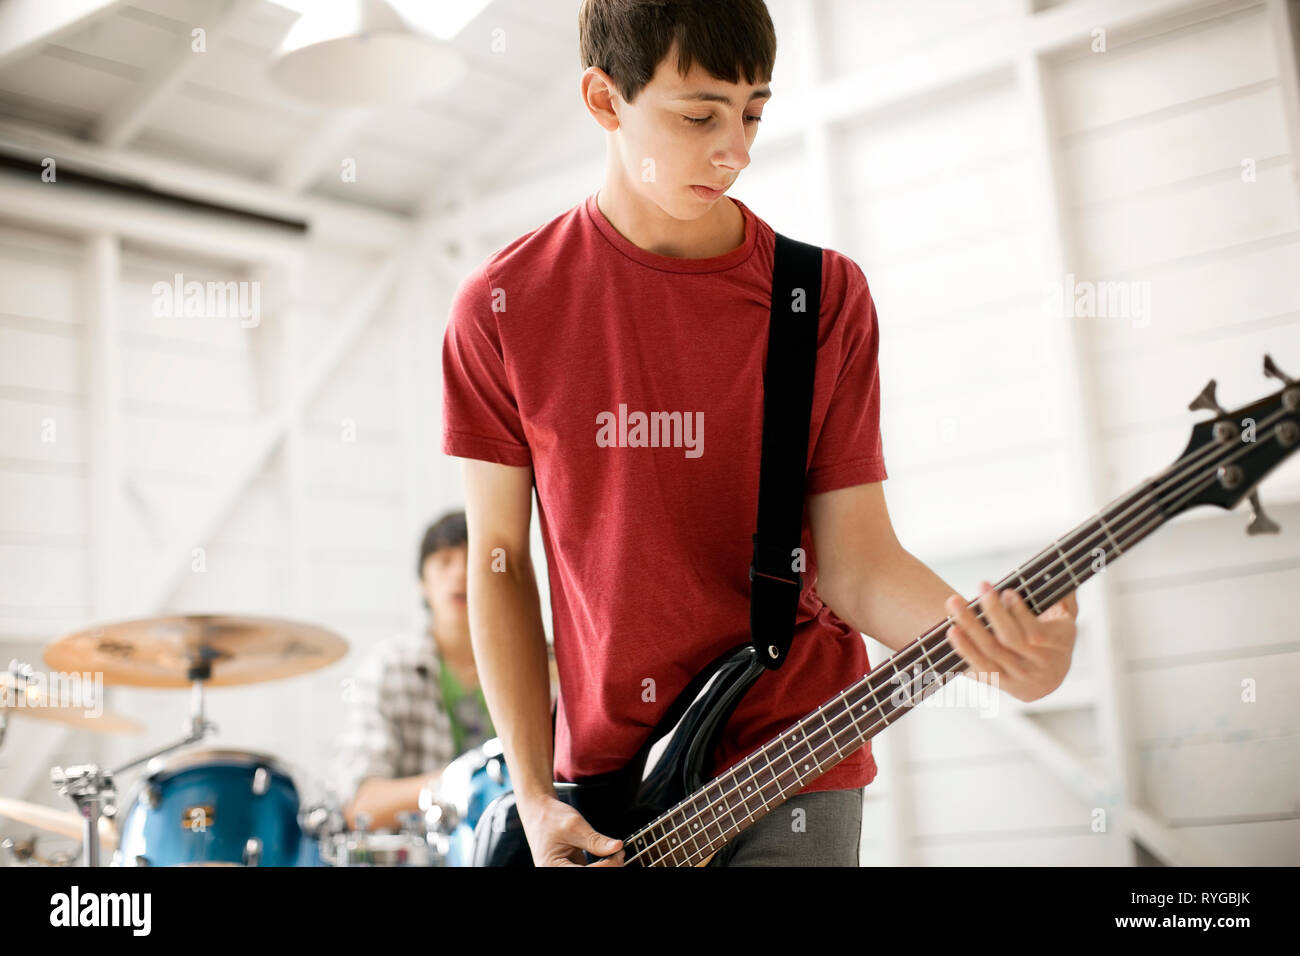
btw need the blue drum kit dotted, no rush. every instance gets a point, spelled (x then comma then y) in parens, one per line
(226, 807)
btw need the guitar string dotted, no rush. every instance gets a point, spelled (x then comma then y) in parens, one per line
(1151, 491)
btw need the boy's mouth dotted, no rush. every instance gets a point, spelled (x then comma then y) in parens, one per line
(704, 192)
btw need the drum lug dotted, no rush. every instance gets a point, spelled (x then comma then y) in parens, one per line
(261, 781)
(252, 852)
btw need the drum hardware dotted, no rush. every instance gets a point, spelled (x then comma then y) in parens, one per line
(92, 788)
(23, 853)
(88, 787)
(464, 789)
(194, 651)
(65, 823)
(408, 847)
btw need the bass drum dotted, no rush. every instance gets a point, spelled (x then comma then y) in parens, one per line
(453, 808)
(212, 808)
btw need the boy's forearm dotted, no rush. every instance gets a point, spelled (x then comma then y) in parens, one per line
(510, 654)
(382, 800)
(901, 600)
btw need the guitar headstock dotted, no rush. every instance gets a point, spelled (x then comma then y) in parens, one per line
(1229, 454)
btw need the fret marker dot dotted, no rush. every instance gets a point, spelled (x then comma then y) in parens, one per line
(805, 766)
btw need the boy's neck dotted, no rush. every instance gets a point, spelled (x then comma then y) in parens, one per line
(449, 646)
(644, 224)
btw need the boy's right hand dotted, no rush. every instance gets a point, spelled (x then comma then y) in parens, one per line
(557, 834)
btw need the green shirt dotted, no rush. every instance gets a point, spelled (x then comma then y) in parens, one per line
(470, 722)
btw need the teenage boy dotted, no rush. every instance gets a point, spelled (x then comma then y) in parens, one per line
(648, 300)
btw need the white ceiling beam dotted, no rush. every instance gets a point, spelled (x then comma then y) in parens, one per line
(299, 168)
(26, 25)
(331, 220)
(125, 118)
(87, 210)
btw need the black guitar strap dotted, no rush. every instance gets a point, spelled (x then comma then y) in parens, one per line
(787, 411)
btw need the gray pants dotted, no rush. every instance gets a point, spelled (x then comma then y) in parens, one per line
(809, 829)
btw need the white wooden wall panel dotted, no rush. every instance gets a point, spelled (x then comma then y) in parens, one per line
(1155, 133)
(22, 424)
(1210, 299)
(1165, 71)
(46, 359)
(878, 31)
(1198, 218)
(1182, 143)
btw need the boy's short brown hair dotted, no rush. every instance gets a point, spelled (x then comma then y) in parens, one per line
(628, 38)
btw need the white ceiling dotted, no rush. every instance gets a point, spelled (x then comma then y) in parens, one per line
(225, 115)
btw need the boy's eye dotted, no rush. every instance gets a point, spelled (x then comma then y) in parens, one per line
(705, 119)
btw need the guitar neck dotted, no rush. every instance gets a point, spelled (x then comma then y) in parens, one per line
(696, 828)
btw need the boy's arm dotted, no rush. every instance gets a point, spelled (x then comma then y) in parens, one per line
(383, 800)
(506, 621)
(879, 588)
(509, 641)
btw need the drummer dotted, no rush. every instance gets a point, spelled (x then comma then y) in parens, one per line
(414, 701)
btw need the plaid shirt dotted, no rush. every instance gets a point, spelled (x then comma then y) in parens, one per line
(397, 723)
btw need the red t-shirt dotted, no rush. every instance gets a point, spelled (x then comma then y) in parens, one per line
(553, 344)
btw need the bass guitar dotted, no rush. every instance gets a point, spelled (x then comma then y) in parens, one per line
(672, 814)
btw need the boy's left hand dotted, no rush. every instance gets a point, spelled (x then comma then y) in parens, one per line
(1031, 655)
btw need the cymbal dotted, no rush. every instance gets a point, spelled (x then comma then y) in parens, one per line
(66, 823)
(220, 649)
(29, 704)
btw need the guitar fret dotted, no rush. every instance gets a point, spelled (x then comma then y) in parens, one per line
(1110, 537)
(806, 768)
(786, 753)
(1028, 592)
(901, 680)
(1068, 569)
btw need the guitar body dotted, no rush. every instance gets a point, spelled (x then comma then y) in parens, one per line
(675, 761)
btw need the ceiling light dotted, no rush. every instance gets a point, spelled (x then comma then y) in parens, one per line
(358, 53)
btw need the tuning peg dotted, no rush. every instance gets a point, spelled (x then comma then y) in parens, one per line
(1207, 400)
(1271, 369)
(1260, 523)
